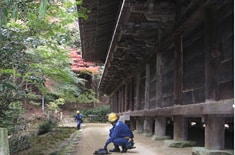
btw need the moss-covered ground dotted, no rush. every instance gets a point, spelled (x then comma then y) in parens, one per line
(51, 143)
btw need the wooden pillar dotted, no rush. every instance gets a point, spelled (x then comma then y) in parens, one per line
(178, 70)
(111, 103)
(180, 128)
(112, 100)
(147, 82)
(133, 123)
(131, 97)
(160, 126)
(124, 98)
(148, 126)
(127, 96)
(117, 105)
(117, 102)
(158, 81)
(139, 124)
(214, 132)
(211, 55)
(120, 101)
(137, 92)
(159, 72)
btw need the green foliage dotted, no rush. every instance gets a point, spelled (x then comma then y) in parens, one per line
(33, 96)
(46, 127)
(13, 68)
(10, 9)
(34, 43)
(16, 125)
(96, 114)
(55, 105)
(88, 96)
(18, 143)
(11, 118)
(7, 90)
(35, 40)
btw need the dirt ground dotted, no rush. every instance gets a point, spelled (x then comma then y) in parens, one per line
(94, 135)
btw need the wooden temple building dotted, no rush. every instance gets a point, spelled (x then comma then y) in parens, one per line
(169, 66)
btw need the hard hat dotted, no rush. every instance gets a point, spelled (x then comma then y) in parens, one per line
(112, 117)
(78, 112)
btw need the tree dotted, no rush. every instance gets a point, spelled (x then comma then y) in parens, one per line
(35, 42)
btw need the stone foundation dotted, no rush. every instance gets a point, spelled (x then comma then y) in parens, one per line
(160, 137)
(179, 144)
(204, 151)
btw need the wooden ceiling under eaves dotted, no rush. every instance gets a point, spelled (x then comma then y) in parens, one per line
(96, 32)
(141, 26)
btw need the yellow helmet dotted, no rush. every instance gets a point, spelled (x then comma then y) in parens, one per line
(112, 117)
(78, 112)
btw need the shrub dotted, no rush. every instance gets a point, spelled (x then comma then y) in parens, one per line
(18, 143)
(46, 127)
(96, 114)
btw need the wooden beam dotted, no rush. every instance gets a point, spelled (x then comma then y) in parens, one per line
(224, 107)
(194, 19)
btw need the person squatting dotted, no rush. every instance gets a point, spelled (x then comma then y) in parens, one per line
(120, 135)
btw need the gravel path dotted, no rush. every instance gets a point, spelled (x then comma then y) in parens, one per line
(93, 136)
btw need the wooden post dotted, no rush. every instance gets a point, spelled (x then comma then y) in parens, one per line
(180, 128)
(214, 132)
(178, 70)
(123, 98)
(111, 102)
(160, 126)
(119, 100)
(158, 81)
(147, 81)
(4, 146)
(159, 72)
(148, 126)
(137, 91)
(43, 103)
(127, 95)
(211, 54)
(139, 124)
(131, 97)
(116, 106)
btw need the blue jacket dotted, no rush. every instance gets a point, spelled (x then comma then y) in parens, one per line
(78, 117)
(120, 130)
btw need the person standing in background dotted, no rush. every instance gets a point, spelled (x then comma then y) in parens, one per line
(78, 118)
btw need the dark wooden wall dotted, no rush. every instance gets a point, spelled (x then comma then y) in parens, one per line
(225, 46)
(195, 66)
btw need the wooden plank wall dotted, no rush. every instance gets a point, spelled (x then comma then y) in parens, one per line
(193, 67)
(167, 77)
(198, 65)
(225, 45)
